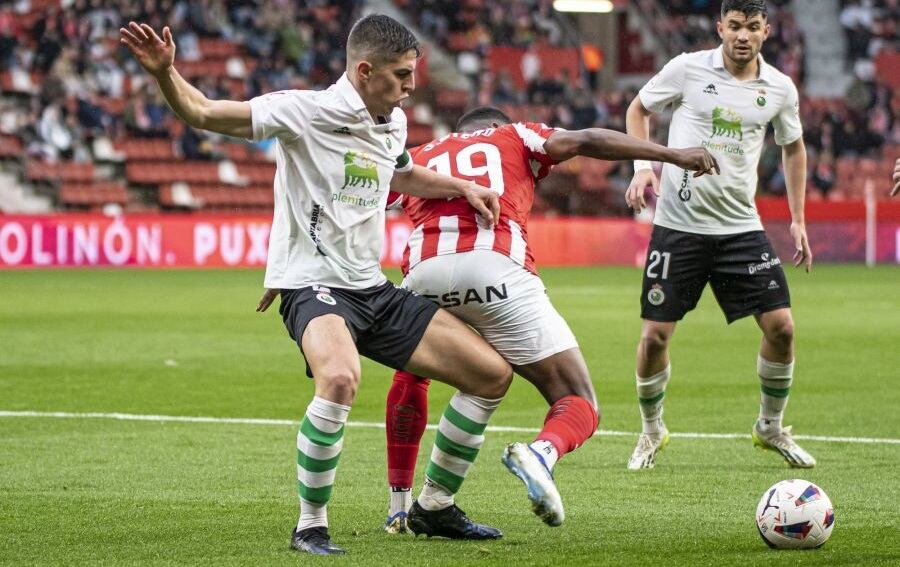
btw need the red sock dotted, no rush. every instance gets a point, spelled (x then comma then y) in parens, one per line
(405, 420)
(570, 422)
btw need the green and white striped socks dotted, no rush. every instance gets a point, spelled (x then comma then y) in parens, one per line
(319, 443)
(651, 393)
(775, 384)
(459, 437)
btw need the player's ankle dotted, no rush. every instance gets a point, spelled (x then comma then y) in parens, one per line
(434, 497)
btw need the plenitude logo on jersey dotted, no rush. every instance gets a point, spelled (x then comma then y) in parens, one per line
(360, 172)
(726, 123)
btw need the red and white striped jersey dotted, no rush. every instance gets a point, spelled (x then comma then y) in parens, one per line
(509, 160)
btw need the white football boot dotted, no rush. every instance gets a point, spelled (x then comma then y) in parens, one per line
(648, 445)
(522, 461)
(783, 443)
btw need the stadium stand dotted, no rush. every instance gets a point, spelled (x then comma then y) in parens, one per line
(80, 122)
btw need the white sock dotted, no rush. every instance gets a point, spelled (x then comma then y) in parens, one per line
(775, 384)
(401, 500)
(459, 437)
(312, 515)
(651, 394)
(434, 496)
(547, 451)
(320, 439)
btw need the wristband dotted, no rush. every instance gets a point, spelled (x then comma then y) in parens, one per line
(640, 164)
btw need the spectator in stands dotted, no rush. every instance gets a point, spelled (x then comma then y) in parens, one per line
(197, 145)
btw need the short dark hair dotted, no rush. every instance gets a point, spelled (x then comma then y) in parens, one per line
(747, 7)
(482, 117)
(379, 38)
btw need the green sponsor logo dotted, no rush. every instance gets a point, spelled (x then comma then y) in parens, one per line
(761, 101)
(726, 122)
(360, 171)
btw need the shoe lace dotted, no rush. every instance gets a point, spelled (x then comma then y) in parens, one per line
(645, 443)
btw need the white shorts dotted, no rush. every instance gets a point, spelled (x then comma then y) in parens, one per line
(499, 298)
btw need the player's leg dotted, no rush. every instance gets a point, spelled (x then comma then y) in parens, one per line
(413, 334)
(748, 280)
(565, 383)
(675, 273)
(482, 378)
(775, 367)
(405, 419)
(325, 324)
(651, 378)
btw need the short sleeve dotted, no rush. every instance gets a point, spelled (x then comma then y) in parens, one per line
(282, 114)
(786, 123)
(404, 162)
(534, 135)
(666, 87)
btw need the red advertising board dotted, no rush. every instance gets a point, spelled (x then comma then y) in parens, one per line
(159, 241)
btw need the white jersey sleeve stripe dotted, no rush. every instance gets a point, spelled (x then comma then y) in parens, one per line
(449, 234)
(517, 246)
(415, 246)
(532, 140)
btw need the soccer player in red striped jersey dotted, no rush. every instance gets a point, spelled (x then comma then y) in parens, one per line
(486, 276)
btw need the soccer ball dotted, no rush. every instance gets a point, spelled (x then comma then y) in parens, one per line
(795, 514)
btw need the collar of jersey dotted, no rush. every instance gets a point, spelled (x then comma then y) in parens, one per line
(719, 63)
(351, 96)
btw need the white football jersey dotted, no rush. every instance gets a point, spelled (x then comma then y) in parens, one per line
(334, 170)
(728, 117)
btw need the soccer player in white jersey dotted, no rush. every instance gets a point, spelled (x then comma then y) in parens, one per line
(488, 278)
(707, 230)
(338, 153)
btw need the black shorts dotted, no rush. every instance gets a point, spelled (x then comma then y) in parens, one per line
(386, 322)
(744, 271)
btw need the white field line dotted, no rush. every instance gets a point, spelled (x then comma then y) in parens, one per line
(372, 425)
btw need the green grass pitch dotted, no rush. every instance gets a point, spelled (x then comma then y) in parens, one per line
(188, 343)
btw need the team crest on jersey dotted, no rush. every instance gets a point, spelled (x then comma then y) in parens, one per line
(360, 170)
(656, 296)
(726, 122)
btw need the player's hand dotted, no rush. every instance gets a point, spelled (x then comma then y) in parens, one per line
(698, 160)
(485, 201)
(896, 178)
(154, 54)
(634, 196)
(802, 254)
(266, 300)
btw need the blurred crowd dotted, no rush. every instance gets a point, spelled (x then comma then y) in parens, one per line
(89, 89)
(81, 66)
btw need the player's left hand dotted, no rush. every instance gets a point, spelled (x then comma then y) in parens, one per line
(698, 160)
(896, 178)
(485, 201)
(266, 300)
(802, 254)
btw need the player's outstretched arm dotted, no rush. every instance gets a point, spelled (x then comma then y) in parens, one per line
(794, 156)
(601, 143)
(157, 56)
(422, 182)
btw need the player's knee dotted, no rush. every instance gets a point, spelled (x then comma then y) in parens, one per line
(341, 383)
(497, 380)
(654, 341)
(781, 333)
